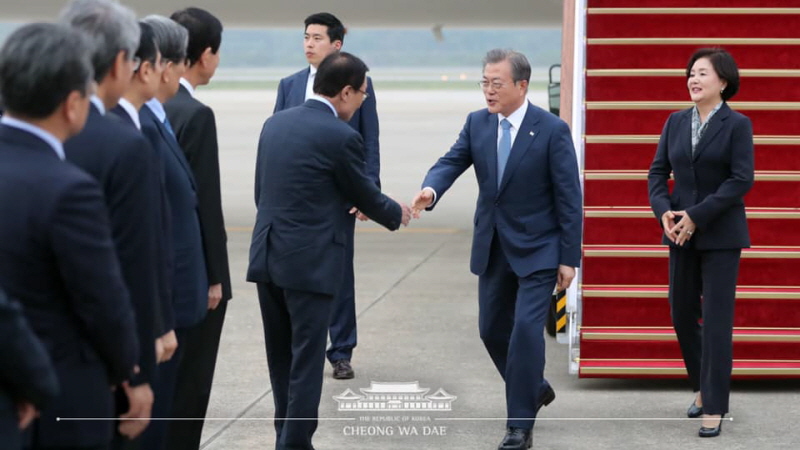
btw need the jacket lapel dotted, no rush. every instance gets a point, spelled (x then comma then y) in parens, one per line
(299, 88)
(526, 134)
(489, 142)
(173, 145)
(714, 127)
(176, 152)
(685, 133)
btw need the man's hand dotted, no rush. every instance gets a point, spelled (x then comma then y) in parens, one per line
(140, 399)
(168, 343)
(565, 276)
(26, 412)
(359, 215)
(407, 213)
(214, 295)
(422, 200)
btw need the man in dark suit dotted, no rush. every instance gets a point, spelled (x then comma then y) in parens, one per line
(195, 128)
(27, 378)
(310, 168)
(120, 159)
(189, 275)
(324, 34)
(56, 254)
(527, 236)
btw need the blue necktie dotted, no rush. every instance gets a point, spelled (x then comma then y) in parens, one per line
(168, 126)
(503, 149)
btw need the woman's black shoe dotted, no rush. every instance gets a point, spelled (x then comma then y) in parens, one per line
(694, 411)
(711, 432)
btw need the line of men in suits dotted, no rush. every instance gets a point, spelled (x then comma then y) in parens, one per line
(112, 239)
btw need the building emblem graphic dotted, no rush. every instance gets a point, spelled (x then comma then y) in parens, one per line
(402, 396)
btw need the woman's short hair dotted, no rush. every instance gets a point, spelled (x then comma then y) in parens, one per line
(723, 65)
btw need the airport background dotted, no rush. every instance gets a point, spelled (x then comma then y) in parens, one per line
(416, 300)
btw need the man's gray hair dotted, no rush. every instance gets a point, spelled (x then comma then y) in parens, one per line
(40, 65)
(111, 28)
(172, 39)
(520, 67)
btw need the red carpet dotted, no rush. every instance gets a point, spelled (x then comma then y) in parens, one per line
(625, 270)
(624, 192)
(630, 88)
(609, 157)
(651, 121)
(676, 56)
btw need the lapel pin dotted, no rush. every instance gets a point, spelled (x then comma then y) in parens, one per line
(531, 133)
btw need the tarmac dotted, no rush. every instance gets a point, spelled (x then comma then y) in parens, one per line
(418, 321)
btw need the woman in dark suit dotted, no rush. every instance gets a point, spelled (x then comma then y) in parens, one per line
(709, 150)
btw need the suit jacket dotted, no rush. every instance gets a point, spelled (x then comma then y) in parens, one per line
(710, 186)
(196, 131)
(537, 209)
(165, 320)
(58, 260)
(120, 159)
(292, 92)
(189, 280)
(26, 373)
(310, 166)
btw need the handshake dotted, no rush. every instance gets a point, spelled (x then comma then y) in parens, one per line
(422, 200)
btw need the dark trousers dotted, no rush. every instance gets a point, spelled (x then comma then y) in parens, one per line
(512, 316)
(295, 332)
(343, 315)
(194, 379)
(155, 435)
(703, 286)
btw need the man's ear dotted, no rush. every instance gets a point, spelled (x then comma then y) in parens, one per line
(74, 110)
(116, 68)
(337, 44)
(146, 70)
(165, 75)
(205, 56)
(346, 92)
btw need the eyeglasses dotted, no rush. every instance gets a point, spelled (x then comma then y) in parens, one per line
(486, 84)
(366, 94)
(136, 63)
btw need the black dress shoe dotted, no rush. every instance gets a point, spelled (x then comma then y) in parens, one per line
(711, 432)
(516, 439)
(342, 370)
(545, 398)
(694, 411)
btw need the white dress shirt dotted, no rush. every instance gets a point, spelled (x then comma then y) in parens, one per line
(185, 83)
(325, 100)
(515, 119)
(132, 112)
(312, 73)
(98, 104)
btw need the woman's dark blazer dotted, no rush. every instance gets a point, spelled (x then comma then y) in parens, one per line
(709, 185)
